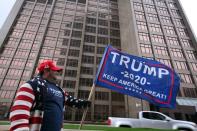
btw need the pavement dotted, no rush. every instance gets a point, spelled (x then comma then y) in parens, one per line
(6, 128)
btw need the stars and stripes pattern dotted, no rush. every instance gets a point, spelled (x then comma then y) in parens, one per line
(23, 118)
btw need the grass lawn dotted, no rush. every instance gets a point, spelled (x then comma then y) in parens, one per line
(97, 127)
(105, 128)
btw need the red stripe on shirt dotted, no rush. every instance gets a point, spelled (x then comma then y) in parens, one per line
(19, 126)
(25, 98)
(19, 116)
(35, 120)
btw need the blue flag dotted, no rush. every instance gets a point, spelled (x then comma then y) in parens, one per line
(138, 77)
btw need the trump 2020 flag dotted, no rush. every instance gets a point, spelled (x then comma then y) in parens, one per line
(138, 77)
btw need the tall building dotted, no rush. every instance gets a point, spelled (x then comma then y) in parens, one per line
(74, 34)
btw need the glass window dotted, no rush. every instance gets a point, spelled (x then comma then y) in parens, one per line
(91, 21)
(163, 11)
(75, 43)
(150, 8)
(169, 30)
(186, 43)
(137, 6)
(182, 32)
(186, 78)
(194, 66)
(152, 17)
(70, 73)
(69, 84)
(155, 28)
(101, 95)
(77, 25)
(190, 92)
(72, 63)
(153, 116)
(176, 52)
(157, 39)
(173, 41)
(160, 50)
(166, 19)
(181, 65)
(146, 49)
(139, 15)
(103, 22)
(88, 48)
(89, 38)
(87, 70)
(76, 34)
(90, 29)
(102, 31)
(88, 59)
(144, 37)
(102, 40)
(73, 52)
(191, 54)
(175, 13)
(142, 26)
(165, 61)
(85, 82)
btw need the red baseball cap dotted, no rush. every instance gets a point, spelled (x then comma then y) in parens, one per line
(48, 64)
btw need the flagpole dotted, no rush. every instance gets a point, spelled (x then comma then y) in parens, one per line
(86, 110)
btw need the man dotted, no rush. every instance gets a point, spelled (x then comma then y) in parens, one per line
(39, 103)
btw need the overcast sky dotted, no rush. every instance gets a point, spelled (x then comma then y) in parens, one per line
(190, 7)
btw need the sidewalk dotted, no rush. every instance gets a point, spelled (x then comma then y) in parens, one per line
(6, 128)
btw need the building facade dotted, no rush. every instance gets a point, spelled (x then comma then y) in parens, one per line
(74, 33)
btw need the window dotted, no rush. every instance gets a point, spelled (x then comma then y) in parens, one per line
(194, 66)
(175, 13)
(115, 33)
(17, 33)
(83, 94)
(87, 70)
(89, 38)
(2, 71)
(102, 40)
(186, 78)
(153, 116)
(152, 17)
(87, 48)
(90, 29)
(165, 61)
(150, 8)
(155, 28)
(91, 21)
(142, 26)
(181, 65)
(60, 61)
(73, 52)
(176, 52)
(169, 30)
(139, 15)
(102, 31)
(157, 39)
(160, 2)
(137, 6)
(148, 1)
(75, 43)
(69, 84)
(4, 60)
(72, 63)
(114, 24)
(160, 50)
(101, 112)
(101, 95)
(70, 73)
(10, 84)
(103, 22)
(76, 34)
(179, 22)
(85, 82)
(173, 41)
(18, 62)
(100, 50)
(88, 59)
(117, 96)
(115, 42)
(191, 54)
(22, 53)
(166, 20)
(146, 49)
(14, 72)
(144, 37)
(8, 51)
(182, 32)
(190, 92)
(186, 43)
(49, 51)
(77, 25)
(163, 11)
